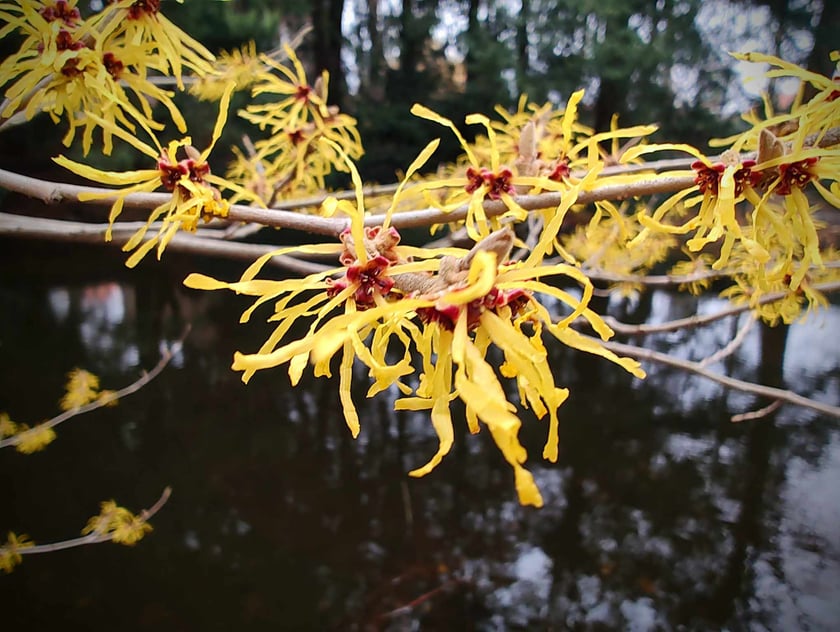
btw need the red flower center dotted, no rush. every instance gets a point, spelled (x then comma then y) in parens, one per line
(113, 65)
(447, 315)
(561, 171)
(795, 174)
(708, 178)
(496, 183)
(64, 41)
(61, 10)
(745, 176)
(296, 136)
(370, 279)
(71, 68)
(143, 7)
(171, 174)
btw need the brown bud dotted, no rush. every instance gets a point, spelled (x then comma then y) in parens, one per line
(769, 146)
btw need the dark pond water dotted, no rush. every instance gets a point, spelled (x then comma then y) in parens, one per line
(659, 515)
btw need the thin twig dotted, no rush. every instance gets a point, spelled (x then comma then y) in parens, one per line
(697, 321)
(730, 382)
(733, 345)
(666, 280)
(756, 414)
(55, 192)
(653, 280)
(93, 538)
(135, 386)
(22, 226)
(407, 608)
(494, 208)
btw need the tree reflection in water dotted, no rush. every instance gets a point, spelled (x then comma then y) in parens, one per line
(660, 514)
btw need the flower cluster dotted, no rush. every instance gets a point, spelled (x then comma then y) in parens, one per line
(122, 526)
(113, 523)
(448, 306)
(24, 438)
(83, 388)
(292, 160)
(531, 151)
(181, 170)
(756, 207)
(423, 321)
(601, 244)
(72, 68)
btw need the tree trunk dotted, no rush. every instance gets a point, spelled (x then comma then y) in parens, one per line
(522, 45)
(472, 38)
(327, 41)
(825, 39)
(409, 53)
(375, 82)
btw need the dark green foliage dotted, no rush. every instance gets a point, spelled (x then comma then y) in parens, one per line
(226, 25)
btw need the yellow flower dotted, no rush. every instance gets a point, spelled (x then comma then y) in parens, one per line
(7, 426)
(102, 523)
(718, 189)
(293, 161)
(242, 67)
(805, 118)
(793, 151)
(117, 522)
(141, 22)
(302, 102)
(10, 552)
(753, 281)
(558, 144)
(480, 182)
(534, 158)
(82, 388)
(602, 244)
(791, 223)
(28, 440)
(67, 68)
(131, 531)
(448, 305)
(695, 266)
(195, 195)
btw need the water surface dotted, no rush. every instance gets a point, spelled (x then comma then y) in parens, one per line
(659, 515)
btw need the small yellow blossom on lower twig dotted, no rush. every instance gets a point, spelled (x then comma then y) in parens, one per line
(28, 440)
(25, 440)
(10, 551)
(7, 426)
(112, 524)
(82, 394)
(82, 388)
(119, 523)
